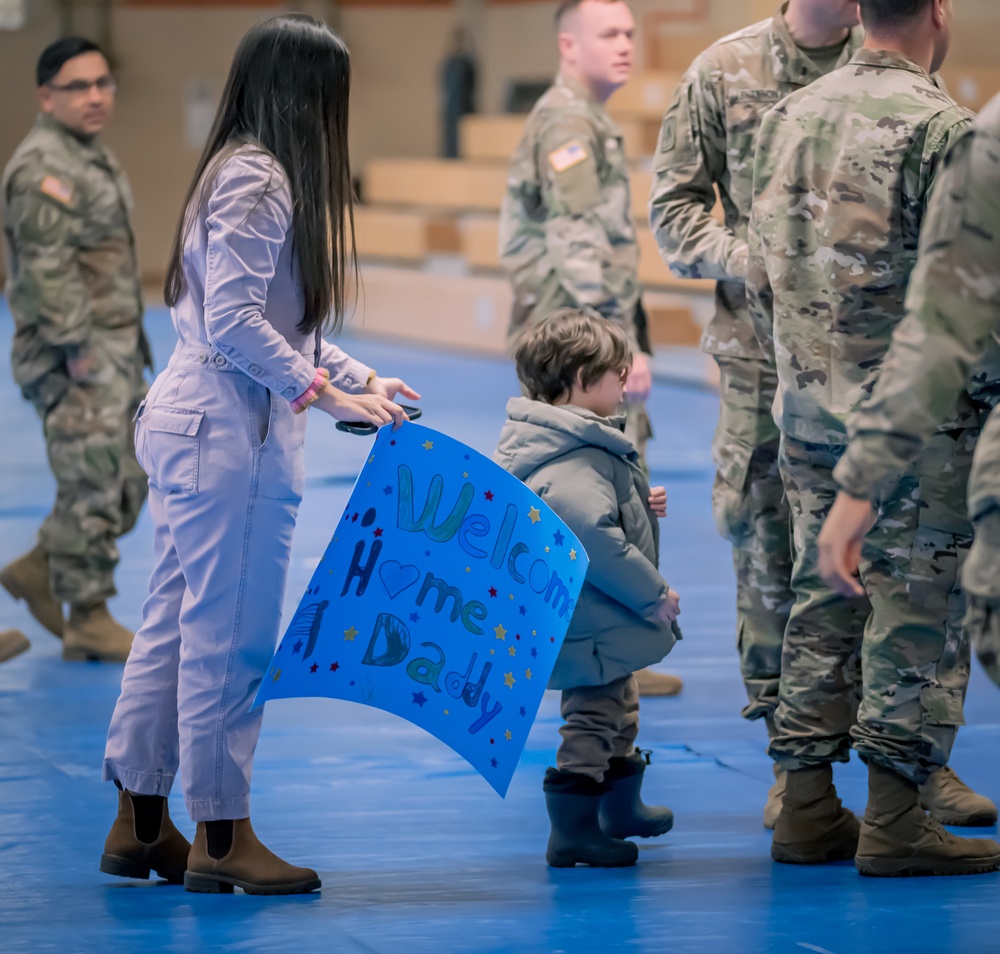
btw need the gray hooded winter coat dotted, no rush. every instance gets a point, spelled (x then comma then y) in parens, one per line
(586, 470)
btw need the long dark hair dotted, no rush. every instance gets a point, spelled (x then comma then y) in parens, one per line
(287, 93)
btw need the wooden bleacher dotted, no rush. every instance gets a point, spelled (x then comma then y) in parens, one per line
(427, 232)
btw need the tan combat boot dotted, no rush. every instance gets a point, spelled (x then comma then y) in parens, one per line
(137, 844)
(27, 578)
(247, 864)
(93, 635)
(775, 797)
(652, 684)
(813, 827)
(950, 801)
(898, 839)
(12, 643)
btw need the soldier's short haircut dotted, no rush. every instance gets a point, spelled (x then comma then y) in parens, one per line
(887, 14)
(567, 346)
(568, 6)
(57, 54)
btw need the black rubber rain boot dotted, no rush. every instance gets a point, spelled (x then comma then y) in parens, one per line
(573, 802)
(623, 813)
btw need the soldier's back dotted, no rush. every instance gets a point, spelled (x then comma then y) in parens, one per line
(842, 177)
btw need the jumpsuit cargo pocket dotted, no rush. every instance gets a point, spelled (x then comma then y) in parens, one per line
(168, 447)
(282, 435)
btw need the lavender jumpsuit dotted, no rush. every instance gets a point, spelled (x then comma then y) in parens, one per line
(223, 450)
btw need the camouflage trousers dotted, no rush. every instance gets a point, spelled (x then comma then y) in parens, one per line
(638, 430)
(100, 487)
(981, 581)
(751, 511)
(906, 631)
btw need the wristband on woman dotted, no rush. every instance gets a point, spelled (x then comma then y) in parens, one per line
(312, 393)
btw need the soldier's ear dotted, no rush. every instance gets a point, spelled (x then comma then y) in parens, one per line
(567, 46)
(44, 99)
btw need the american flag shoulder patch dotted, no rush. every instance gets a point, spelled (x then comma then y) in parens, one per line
(57, 189)
(567, 156)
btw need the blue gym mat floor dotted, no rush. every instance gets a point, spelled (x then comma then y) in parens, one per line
(417, 853)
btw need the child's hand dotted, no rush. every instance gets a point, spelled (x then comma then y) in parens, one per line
(670, 608)
(658, 501)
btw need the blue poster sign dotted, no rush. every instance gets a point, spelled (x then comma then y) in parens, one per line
(443, 597)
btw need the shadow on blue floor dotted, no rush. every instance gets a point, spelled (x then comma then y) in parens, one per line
(418, 855)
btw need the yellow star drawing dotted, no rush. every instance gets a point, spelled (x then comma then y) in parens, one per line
(349, 634)
(512, 650)
(493, 652)
(500, 631)
(527, 673)
(277, 675)
(510, 597)
(427, 445)
(368, 484)
(572, 554)
(446, 712)
(465, 473)
(370, 459)
(535, 514)
(546, 549)
(508, 735)
(508, 678)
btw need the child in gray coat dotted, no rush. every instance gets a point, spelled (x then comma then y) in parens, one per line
(566, 442)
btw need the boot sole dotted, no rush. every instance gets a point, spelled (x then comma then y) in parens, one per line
(587, 863)
(12, 587)
(985, 820)
(653, 833)
(222, 884)
(73, 654)
(557, 860)
(136, 871)
(787, 856)
(872, 867)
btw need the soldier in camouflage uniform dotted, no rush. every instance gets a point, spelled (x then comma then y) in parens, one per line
(842, 177)
(567, 238)
(945, 348)
(707, 143)
(75, 294)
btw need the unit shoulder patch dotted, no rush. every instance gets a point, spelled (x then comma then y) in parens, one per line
(572, 154)
(57, 189)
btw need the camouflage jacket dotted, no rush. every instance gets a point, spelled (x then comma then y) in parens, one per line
(707, 142)
(72, 265)
(952, 320)
(842, 177)
(566, 232)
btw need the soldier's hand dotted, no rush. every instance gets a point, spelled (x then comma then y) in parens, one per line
(79, 366)
(640, 380)
(840, 543)
(658, 501)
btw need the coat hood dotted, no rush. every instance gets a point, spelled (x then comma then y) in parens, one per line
(536, 433)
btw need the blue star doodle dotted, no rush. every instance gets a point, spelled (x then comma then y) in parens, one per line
(401, 610)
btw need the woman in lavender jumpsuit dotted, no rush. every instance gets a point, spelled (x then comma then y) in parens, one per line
(258, 264)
